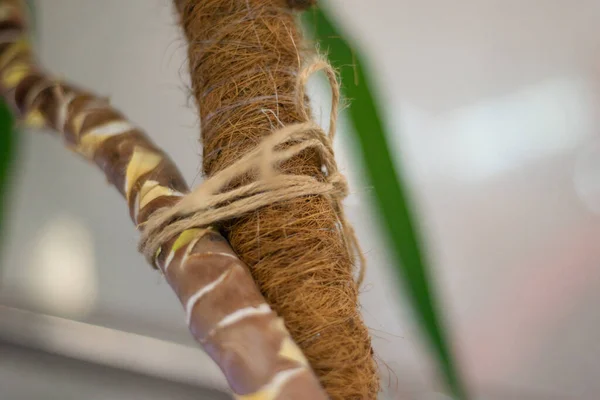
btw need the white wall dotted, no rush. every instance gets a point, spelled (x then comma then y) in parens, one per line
(493, 108)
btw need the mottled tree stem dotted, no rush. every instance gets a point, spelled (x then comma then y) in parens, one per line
(225, 311)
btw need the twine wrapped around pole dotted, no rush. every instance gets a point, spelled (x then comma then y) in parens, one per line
(210, 203)
(246, 60)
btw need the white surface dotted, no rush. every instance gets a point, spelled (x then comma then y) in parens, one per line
(494, 109)
(109, 347)
(28, 374)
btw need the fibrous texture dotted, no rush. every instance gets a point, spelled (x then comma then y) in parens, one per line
(225, 311)
(244, 58)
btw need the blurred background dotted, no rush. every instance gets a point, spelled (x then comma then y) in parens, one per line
(493, 107)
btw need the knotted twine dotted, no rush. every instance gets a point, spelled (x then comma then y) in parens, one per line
(214, 201)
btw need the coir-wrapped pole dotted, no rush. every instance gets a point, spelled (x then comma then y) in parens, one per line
(244, 61)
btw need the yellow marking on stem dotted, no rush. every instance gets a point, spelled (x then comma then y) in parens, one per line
(79, 119)
(78, 122)
(152, 190)
(92, 139)
(158, 251)
(89, 144)
(262, 395)
(266, 394)
(291, 351)
(20, 46)
(273, 389)
(14, 74)
(142, 161)
(34, 119)
(288, 348)
(63, 109)
(6, 11)
(185, 237)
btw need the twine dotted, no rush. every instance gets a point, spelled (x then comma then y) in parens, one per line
(214, 201)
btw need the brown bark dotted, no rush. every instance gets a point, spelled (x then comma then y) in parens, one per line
(226, 312)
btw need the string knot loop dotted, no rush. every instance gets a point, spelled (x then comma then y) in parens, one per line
(221, 197)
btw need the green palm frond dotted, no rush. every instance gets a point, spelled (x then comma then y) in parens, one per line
(390, 192)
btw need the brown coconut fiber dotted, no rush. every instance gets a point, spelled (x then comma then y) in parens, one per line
(244, 59)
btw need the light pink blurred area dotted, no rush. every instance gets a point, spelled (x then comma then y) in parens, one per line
(495, 109)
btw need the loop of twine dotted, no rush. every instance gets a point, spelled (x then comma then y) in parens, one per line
(211, 203)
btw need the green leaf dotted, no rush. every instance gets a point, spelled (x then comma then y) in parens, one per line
(391, 194)
(7, 139)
